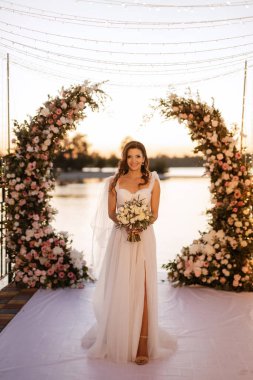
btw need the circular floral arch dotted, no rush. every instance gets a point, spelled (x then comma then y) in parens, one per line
(41, 256)
(221, 257)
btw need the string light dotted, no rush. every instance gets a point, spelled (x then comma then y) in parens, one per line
(124, 63)
(165, 43)
(110, 23)
(145, 72)
(126, 52)
(226, 59)
(163, 5)
(143, 85)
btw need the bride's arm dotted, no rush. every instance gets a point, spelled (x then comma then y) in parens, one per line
(155, 200)
(112, 199)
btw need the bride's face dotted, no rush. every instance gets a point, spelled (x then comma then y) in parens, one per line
(134, 159)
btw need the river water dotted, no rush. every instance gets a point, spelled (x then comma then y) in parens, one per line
(182, 213)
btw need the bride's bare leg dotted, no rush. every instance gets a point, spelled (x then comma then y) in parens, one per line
(143, 342)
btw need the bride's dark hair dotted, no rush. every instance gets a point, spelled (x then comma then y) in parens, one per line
(123, 167)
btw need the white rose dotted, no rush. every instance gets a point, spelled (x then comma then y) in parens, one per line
(215, 123)
(55, 129)
(194, 248)
(57, 250)
(225, 272)
(220, 156)
(44, 112)
(209, 249)
(225, 176)
(141, 216)
(47, 142)
(197, 272)
(214, 138)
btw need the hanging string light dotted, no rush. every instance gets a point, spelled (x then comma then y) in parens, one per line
(111, 23)
(121, 63)
(174, 70)
(146, 53)
(165, 84)
(126, 43)
(151, 67)
(164, 5)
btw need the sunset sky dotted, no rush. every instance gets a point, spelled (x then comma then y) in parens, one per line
(143, 49)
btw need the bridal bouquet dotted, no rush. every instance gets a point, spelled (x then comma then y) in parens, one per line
(135, 216)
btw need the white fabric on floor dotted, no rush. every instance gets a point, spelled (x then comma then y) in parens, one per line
(214, 331)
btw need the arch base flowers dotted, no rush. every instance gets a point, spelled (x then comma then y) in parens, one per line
(222, 257)
(41, 256)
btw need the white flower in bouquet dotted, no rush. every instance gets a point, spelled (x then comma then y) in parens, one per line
(134, 215)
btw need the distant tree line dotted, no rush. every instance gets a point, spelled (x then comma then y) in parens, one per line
(75, 155)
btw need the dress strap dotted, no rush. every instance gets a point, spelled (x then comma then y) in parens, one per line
(117, 185)
(154, 176)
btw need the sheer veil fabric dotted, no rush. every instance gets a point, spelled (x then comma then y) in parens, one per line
(119, 294)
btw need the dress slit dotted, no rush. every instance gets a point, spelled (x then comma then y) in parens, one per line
(144, 322)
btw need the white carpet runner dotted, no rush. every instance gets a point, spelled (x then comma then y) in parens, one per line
(214, 330)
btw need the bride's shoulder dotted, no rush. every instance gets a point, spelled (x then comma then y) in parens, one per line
(154, 175)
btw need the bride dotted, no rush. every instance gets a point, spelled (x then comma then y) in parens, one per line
(125, 299)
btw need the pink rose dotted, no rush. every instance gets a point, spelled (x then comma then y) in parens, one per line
(61, 275)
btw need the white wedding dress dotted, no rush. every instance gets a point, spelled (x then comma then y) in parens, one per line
(119, 294)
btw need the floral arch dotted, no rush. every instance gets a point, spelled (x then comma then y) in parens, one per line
(222, 257)
(41, 256)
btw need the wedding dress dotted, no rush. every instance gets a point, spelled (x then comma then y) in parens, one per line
(119, 294)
